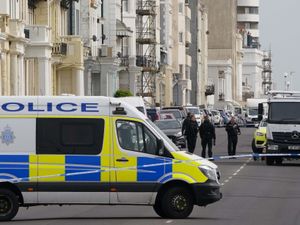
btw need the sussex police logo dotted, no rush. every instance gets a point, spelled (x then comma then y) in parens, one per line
(7, 136)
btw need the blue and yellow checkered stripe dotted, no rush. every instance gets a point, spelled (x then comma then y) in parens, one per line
(74, 168)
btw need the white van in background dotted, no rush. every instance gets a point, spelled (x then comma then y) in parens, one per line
(136, 101)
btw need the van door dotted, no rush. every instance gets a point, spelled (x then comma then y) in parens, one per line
(70, 160)
(135, 150)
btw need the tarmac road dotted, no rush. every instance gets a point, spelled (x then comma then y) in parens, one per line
(253, 193)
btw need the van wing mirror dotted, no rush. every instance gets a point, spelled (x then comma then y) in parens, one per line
(260, 111)
(160, 147)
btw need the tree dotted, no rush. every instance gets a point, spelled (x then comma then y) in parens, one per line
(122, 93)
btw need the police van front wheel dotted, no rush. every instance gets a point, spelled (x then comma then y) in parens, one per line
(9, 205)
(177, 203)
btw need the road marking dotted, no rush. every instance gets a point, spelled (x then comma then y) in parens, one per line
(236, 172)
(169, 221)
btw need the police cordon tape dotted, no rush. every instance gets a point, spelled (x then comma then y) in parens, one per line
(90, 169)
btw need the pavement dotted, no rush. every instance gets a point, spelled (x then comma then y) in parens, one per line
(253, 193)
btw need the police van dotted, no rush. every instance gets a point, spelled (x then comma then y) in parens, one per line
(95, 150)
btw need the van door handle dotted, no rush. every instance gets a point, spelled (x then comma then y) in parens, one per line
(122, 160)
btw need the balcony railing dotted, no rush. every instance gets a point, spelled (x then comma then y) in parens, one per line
(124, 61)
(59, 48)
(210, 90)
(38, 33)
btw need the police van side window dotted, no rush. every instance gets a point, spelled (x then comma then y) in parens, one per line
(134, 136)
(69, 136)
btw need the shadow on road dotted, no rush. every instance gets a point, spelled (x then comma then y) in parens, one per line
(113, 218)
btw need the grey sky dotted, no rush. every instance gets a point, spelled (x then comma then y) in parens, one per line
(280, 30)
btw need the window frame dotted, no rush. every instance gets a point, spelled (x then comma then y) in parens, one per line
(54, 144)
(143, 135)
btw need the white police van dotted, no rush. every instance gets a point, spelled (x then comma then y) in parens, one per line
(95, 150)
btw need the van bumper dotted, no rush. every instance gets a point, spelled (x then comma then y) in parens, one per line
(206, 193)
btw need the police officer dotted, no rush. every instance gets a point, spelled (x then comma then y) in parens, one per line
(191, 133)
(233, 130)
(208, 136)
(185, 123)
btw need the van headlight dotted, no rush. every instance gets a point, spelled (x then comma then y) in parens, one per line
(260, 134)
(209, 172)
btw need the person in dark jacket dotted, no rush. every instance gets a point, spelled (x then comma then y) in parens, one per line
(233, 131)
(208, 136)
(191, 134)
(185, 123)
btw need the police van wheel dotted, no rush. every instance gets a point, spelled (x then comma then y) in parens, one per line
(157, 208)
(9, 205)
(270, 161)
(177, 203)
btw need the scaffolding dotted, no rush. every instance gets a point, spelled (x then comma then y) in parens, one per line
(146, 47)
(267, 72)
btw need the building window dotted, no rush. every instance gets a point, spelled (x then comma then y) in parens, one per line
(96, 90)
(125, 4)
(69, 136)
(253, 10)
(102, 9)
(134, 136)
(181, 69)
(77, 21)
(180, 8)
(181, 37)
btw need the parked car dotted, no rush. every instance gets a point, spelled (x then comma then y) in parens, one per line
(178, 114)
(153, 114)
(196, 111)
(217, 118)
(180, 108)
(260, 140)
(172, 128)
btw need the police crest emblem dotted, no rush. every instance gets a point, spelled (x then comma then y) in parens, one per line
(7, 136)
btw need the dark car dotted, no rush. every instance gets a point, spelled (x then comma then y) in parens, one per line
(153, 114)
(172, 128)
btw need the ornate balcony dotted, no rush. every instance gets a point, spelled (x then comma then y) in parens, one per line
(209, 90)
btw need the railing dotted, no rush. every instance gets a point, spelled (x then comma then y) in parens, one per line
(145, 61)
(210, 90)
(124, 61)
(59, 48)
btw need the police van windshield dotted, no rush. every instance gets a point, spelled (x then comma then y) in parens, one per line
(284, 112)
(165, 137)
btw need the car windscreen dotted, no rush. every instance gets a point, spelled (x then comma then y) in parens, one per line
(215, 113)
(194, 110)
(168, 124)
(253, 111)
(177, 114)
(284, 112)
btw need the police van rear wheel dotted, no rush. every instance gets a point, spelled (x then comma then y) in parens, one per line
(177, 203)
(9, 205)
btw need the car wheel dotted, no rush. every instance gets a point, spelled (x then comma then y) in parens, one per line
(177, 203)
(9, 205)
(270, 161)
